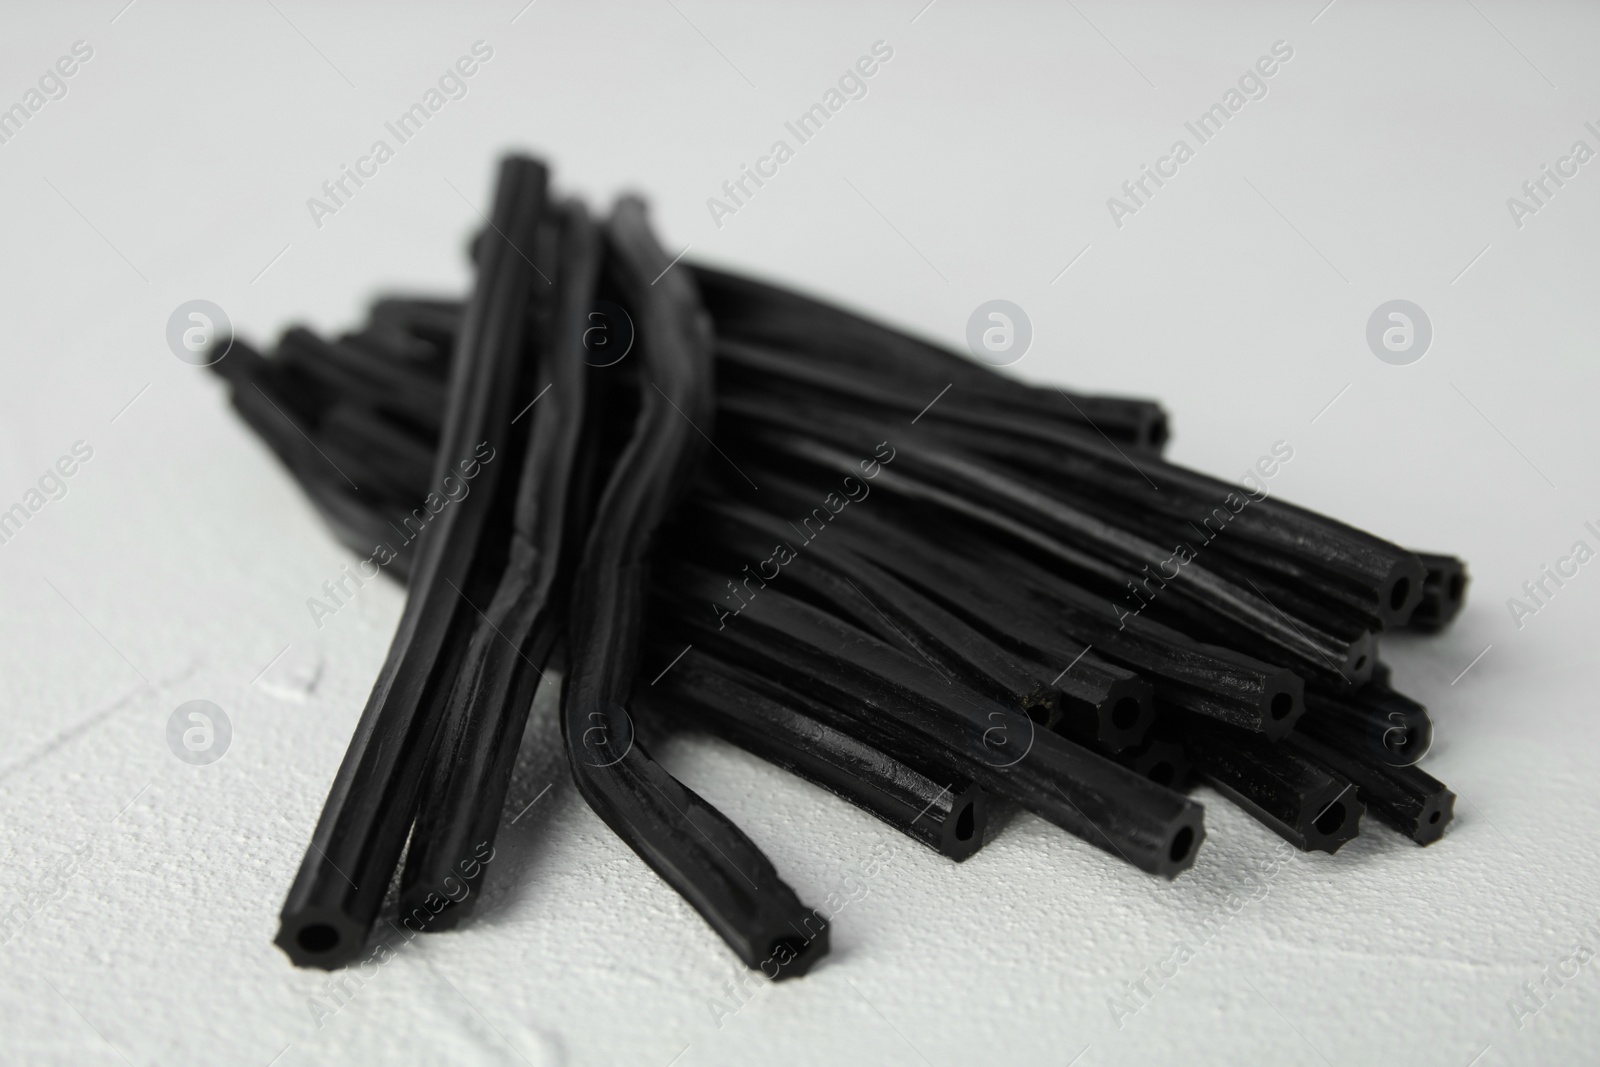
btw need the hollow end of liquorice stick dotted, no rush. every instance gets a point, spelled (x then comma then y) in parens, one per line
(1162, 761)
(1444, 593)
(1361, 660)
(1331, 818)
(320, 937)
(1283, 701)
(1125, 716)
(1401, 591)
(1182, 842)
(793, 946)
(1155, 433)
(1437, 812)
(1047, 709)
(964, 827)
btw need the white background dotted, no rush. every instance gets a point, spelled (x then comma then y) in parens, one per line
(978, 166)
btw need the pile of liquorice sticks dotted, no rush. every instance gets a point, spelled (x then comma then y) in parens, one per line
(731, 508)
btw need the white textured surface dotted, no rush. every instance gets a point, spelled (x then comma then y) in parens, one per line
(181, 557)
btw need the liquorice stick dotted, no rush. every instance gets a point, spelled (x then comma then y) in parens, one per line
(1405, 798)
(493, 689)
(1016, 593)
(348, 371)
(403, 462)
(1301, 801)
(1444, 593)
(1266, 527)
(1376, 719)
(980, 492)
(1372, 579)
(356, 846)
(1161, 759)
(1002, 750)
(758, 366)
(814, 330)
(1097, 702)
(792, 731)
(1382, 578)
(1017, 602)
(691, 845)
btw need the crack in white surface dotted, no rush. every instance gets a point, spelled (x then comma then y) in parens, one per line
(96, 719)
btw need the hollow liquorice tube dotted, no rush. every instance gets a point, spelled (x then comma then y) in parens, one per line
(1295, 586)
(357, 519)
(1097, 702)
(691, 845)
(350, 371)
(1307, 805)
(493, 689)
(1373, 576)
(285, 426)
(404, 461)
(357, 843)
(329, 437)
(997, 422)
(791, 730)
(746, 309)
(1017, 602)
(1160, 759)
(1210, 680)
(1375, 582)
(1289, 590)
(1389, 725)
(1408, 799)
(1320, 554)
(1382, 578)
(1002, 750)
(981, 492)
(422, 329)
(413, 327)
(1444, 593)
(1366, 576)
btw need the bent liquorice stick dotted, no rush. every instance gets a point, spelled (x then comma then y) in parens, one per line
(357, 843)
(791, 731)
(493, 689)
(1154, 828)
(690, 844)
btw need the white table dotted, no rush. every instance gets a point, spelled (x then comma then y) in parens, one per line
(1377, 166)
